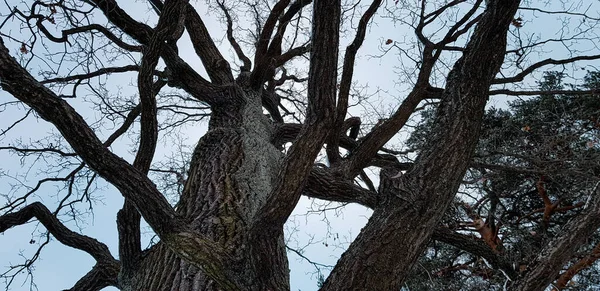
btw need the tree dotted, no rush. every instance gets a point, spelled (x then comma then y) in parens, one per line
(534, 170)
(247, 173)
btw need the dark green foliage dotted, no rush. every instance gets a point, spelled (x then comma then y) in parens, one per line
(548, 144)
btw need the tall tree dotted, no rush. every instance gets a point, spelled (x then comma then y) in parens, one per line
(224, 230)
(534, 171)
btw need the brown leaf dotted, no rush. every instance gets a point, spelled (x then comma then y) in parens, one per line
(23, 48)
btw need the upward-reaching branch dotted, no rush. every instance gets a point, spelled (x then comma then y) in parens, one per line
(186, 77)
(132, 183)
(418, 199)
(94, 248)
(346, 81)
(216, 66)
(261, 57)
(320, 116)
(556, 254)
(168, 29)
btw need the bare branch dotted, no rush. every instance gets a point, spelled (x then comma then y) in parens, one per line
(553, 257)
(346, 81)
(100, 72)
(537, 92)
(323, 184)
(216, 66)
(155, 209)
(187, 78)
(520, 76)
(321, 96)
(475, 247)
(94, 248)
(99, 277)
(247, 64)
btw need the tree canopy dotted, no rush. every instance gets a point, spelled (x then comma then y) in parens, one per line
(219, 134)
(534, 170)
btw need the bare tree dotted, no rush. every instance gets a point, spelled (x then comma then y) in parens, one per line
(224, 230)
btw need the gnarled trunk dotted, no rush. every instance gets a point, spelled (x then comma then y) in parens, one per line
(232, 171)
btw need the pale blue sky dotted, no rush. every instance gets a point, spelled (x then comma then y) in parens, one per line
(59, 267)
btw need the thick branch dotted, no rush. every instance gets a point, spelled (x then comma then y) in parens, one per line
(18, 82)
(246, 63)
(182, 74)
(577, 267)
(322, 184)
(99, 277)
(346, 81)
(132, 183)
(381, 134)
(128, 218)
(559, 251)
(217, 67)
(414, 203)
(321, 103)
(96, 249)
(475, 247)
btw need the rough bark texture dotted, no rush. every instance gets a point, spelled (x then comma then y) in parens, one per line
(412, 206)
(226, 232)
(551, 260)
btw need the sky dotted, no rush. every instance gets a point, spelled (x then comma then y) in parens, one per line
(322, 236)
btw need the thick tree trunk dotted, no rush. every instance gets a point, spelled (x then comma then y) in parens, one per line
(412, 205)
(232, 171)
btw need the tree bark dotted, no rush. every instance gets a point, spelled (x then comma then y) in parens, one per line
(412, 206)
(226, 232)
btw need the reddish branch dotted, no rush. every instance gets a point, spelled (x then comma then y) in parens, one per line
(549, 208)
(488, 230)
(552, 258)
(488, 233)
(577, 267)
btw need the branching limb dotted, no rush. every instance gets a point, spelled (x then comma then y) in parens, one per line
(40, 19)
(100, 72)
(99, 277)
(128, 218)
(346, 81)
(560, 250)
(247, 64)
(520, 76)
(261, 56)
(537, 93)
(322, 184)
(217, 67)
(186, 77)
(475, 247)
(381, 134)
(133, 184)
(321, 105)
(94, 248)
(288, 132)
(577, 267)
(418, 199)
